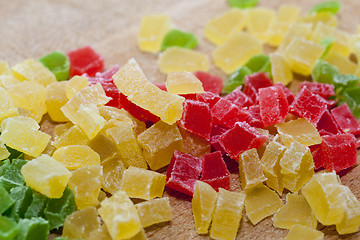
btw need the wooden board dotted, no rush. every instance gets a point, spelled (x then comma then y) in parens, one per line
(30, 29)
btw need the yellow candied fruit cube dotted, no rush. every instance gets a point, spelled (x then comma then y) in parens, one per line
(259, 21)
(177, 59)
(103, 145)
(86, 184)
(270, 163)
(325, 197)
(236, 51)
(74, 85)
(30, 96)
(280, 69)
(251, 173)
(46, 175)
(183, 83)
(193, 144)
(203, 204)
(154, 211)
(32, 70)
(159, 143)
(351, 221)
(61, 128)
(76, 156)
(299, 130)
(323, 17)
(343, 64)
(142, 183)
(8, 81)
(113, 170)
(4, 68)
(341, 42)
(297, 166)
(55, 99)
(89, 120)
(72, 136)
(7, 108)
(80, 224)
(300, 232)
(219, 29)
(295, 211)
(120, 216)
(100, 233)
(133, 83)
(153, 29)
(301, 30)
(261, 202)
(276, 32)
(302, 54)
(4, 153)
(288, 13)
(127, 145)
(21, 133)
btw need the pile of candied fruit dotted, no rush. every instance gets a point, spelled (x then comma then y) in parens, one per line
(116, 133)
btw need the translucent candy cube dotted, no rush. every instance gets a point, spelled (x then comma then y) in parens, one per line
(46, 175)
(251, 173)
(343, 64)
(236, 51)
(74, 85)
(280, 69)
(4, 153)
(183, 83)
(4, 68)
(351, 220)
(7, 108)
(193, 144)
(219, 29)
(301, 30)
(113, 170)
(89, 120)
(55, 99)
(104, 146)
(299, 232)
(72, 136)
(154, 211)
(259, 21)
(323, 17)
(152, 31)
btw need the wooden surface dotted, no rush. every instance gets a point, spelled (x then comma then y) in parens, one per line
(30, 29)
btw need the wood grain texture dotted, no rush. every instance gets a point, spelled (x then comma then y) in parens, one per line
(30, 29)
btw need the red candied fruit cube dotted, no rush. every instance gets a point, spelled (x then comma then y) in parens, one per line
(316, 154)
(216, 132)
(208, 97)
(345, 119)
(197, 119)
(328, 124)
(273, 105)
(308, 105)
(183, 172)
(254, 82)
(240, 138)
(210, 82)
(227, 114)
(322, 89)
(288, 94)
(85, 60)
(214, 171)
(254, 119)
(239, 98)
(338, 152)
(190, 96)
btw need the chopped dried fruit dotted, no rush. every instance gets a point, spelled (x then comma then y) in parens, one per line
(183, 83)
(236, 79)
(179, 38)
(351, 220)
(55, 99)
(299, 232)
(8, 229)
(345, 119)
(211, 83)
(57, 63)
(194, 145)
(280, 69)
(85, 60)
(33, 228)
(251, 173)
(259, 22)
(154, 211)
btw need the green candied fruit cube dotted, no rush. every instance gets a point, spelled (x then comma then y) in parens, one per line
(346, 81)
(332, 7)
(259, 63)
(37, 206)
(236, 79)
(243, 3)
(352, 98)
(6, 200)
(178, 38)
(23, 197)
(57, 63)
(327, 44)
(34, 228)
(8, 229)
(57, 209)
(324, 72)
(10, 175)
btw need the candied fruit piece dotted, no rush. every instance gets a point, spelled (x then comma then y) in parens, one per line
(280, 69)
(4, 69)
(23, 197)
(113, 170)
(154, 211)
(71, 136)
(120, 216)
(152, 31)
(58, 63)
(299, 232)
(193, 144)
(236, 51)
(32, 70)
(176, 37)
(103, 145)
(251, 173)
(183, 83)
(76, 156)
(133, 83)
(226, 114)
(6, 201)
(46, 175)
(343, 64)
(159, 143)
(351, 220)
(345, 119)
(322, 89)
(7, 108)
(100, 233)
(254, 82)
(332, 7)
(259, 21)
(55, 99)
(254, 119)
(183, 172)
(203, 204)
(86, 183)
(236, 79)
(219, 29)
(239, 98)
(300, 130)
(227, 214)
(240, 138)
(323, 72)
(214, 171)
(327, 123)
(37, 206)
(295, 211)
(33, 228)
(10, 173)
(85, 60)
(8, 228)
(296, 29)
(211, 83)
(338, 152)
(261, 202)
(74, 85)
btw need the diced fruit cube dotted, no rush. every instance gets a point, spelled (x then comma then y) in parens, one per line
(57, 63)
(8, 228)
(322, 89)
(226, 114)
(259, 21)
(33, 228)
(299, 232)
(85, 60)
(154, 211)
(183, 83)
(74, 85)
(113, 170)
(211, 83)
(280, 69)
(178, 38)
(193, 144)
(55, 99)
(345, 119)
(251, 173)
